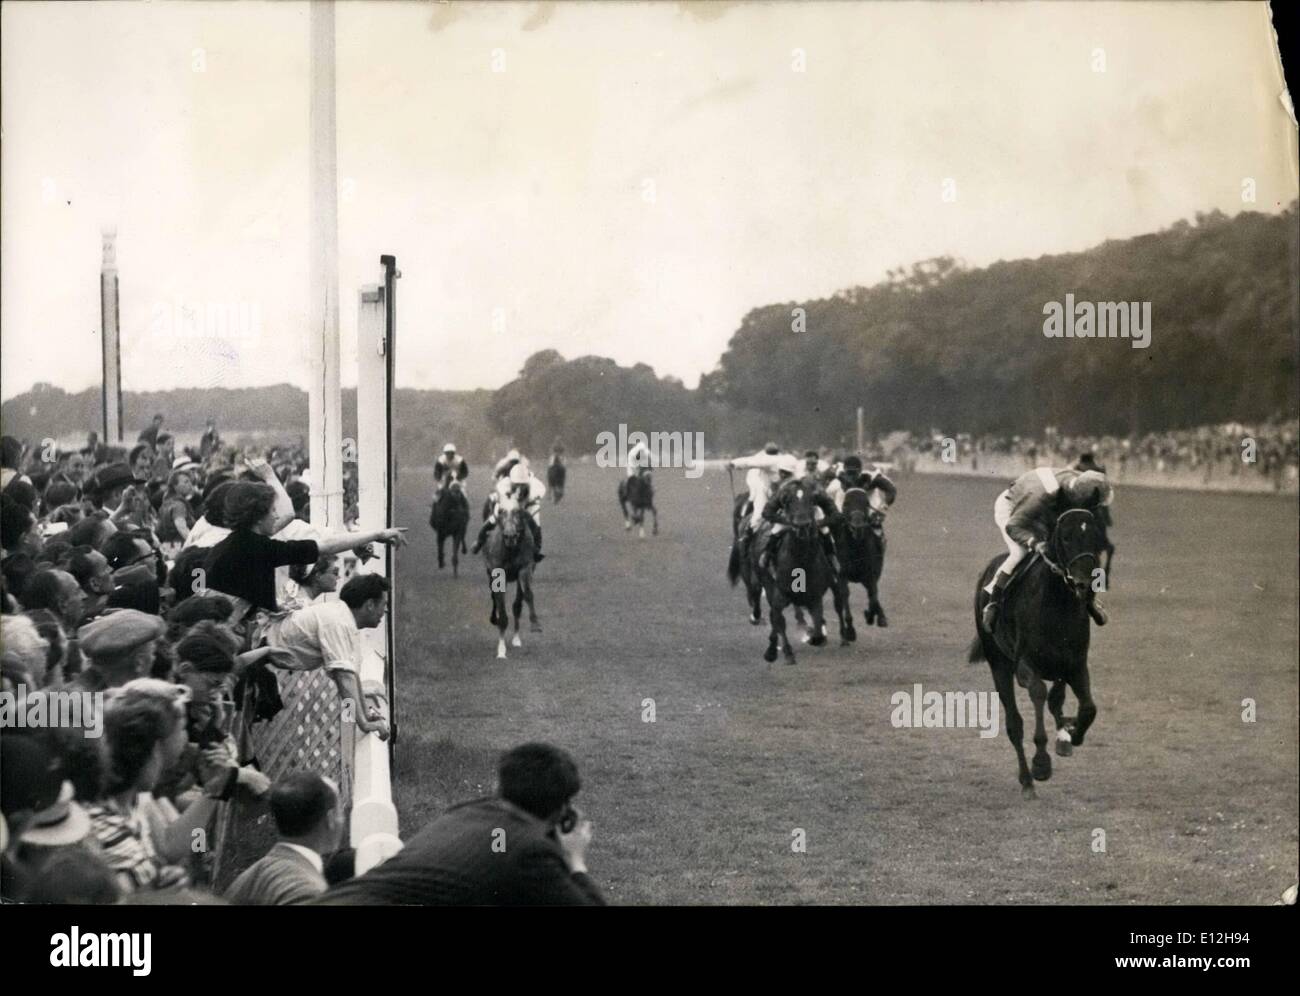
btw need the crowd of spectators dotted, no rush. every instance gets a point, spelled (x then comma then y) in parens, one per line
(148, 599)
(1268, 451)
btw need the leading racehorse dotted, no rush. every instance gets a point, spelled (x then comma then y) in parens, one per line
(1041, 635)
(638, 492)
(860, 545)
(508, 554)
(449, 518)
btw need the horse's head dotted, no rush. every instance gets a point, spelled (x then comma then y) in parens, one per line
(510, 514)
(1076, 545)
(801, 510)
(858, 513)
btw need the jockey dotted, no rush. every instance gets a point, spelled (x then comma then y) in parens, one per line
(519, 485)
(449, 467)
(638, 459)
(1026, 514)
(853, 476)
(760, 480)
(775, 511)
(503, 466)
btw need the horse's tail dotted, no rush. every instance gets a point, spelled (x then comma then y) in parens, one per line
(975, 653)
(733, 564)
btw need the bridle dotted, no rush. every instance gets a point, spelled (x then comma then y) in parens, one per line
(1064, 571)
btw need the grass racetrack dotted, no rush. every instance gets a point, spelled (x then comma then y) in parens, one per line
(703, 804)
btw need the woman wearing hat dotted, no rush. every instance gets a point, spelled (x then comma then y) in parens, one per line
(243, 565)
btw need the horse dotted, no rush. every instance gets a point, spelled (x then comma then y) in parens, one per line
(508, 555)
(742, 564)
(449, 518)
(556, 472)
(800, 576)
(638, 491)
(1041, 635)
(860, 544)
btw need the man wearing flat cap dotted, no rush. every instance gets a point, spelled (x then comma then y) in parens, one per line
(118, 647)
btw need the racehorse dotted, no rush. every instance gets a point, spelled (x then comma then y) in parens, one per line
(638, 492)
(556, 472)
(1041, 635)
(860, 544)
(449, 518)
(800, 576)
(508, 554)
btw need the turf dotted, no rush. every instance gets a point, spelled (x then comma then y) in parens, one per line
(703, 805)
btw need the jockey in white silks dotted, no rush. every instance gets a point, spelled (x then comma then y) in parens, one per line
(519, 484)
(638, 459)
(760, 480)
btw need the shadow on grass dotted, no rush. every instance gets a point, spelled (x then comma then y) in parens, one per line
(437, 774)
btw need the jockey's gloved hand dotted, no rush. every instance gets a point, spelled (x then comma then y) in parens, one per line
(1040, 548)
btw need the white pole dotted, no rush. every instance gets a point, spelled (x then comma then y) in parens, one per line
(374, 817)
(112, 343)
(326, 408)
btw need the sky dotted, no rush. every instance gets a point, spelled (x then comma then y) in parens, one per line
(618, 179)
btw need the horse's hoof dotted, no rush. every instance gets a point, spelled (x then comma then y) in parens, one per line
(516, 642)
(1042, 767)
(1027, 792)
(535, 627)
(789, 659)
(627, 525)
(769, 654)
(806, 638)
(850, 635)
(1063, 746)
(869, 617)
(881, 621)
(756, 620)
(819, 640)
(501, 650)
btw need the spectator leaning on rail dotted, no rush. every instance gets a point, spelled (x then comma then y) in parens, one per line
(526, 846)
(243, 564)
(328, 635)
(309, 824)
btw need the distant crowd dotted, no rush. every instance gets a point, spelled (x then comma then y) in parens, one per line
(1269, 451)
(151, 603)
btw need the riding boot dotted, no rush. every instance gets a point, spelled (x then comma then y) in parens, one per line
(482, 536)
(769, 550)
(995, 600)
(538, 556)
(1096, 611)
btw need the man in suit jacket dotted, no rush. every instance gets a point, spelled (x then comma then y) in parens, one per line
(305, 808)
(526, 846)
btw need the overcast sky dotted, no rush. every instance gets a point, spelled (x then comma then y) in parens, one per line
(635, 179)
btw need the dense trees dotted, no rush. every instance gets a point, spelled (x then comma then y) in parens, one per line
(943, 345)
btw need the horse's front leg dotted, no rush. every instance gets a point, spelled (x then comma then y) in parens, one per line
(534, 624)
(441, 537)
(1042, 766)
(655, 513)
(848, 634)
(873, 594)
(1015, 725)
(777, 601)
(1056, 705)
(818, 616)
(1081, 684)
(516, 640)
